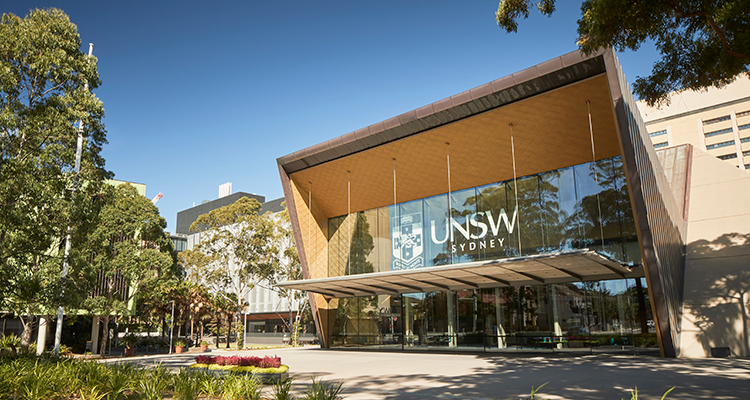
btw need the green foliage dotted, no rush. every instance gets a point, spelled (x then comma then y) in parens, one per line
(533, 395)
(321, 390)
(634, 393)
(241, 387)
(11, 342)
(154, 383)
(186, 385)
(282, 390)
(702, 44)
(237, 251)
(209, 384)
(43, 96)
(128, 245)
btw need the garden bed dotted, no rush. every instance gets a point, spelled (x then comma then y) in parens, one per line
(265, 370)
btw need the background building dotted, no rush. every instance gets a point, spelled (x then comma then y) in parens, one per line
(716, 121)
(265, 309)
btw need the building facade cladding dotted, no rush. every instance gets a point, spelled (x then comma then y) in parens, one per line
(260, 299)
(333, 240)
(660, 223)
(185, 218)
(714, 121)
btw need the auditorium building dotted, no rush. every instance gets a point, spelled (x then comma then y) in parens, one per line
(531, 213)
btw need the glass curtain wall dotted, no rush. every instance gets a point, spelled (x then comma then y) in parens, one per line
(591, 316)
(583, 206)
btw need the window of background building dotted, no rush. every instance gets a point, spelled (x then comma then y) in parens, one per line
(662, 144)
(717, 120)
(718, 145)
(659, 133)
(719, 132)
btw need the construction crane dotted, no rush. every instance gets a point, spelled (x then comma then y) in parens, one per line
(156, 198)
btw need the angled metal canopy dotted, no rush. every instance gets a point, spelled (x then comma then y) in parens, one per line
(572, 266)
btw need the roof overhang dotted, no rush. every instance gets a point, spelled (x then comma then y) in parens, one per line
(549, 107)
(572, 266)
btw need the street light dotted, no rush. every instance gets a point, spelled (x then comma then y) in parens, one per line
(171, 327)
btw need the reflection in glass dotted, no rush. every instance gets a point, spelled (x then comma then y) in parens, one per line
(436, 228)
(603, 316)
(584, 206)
(464, 230)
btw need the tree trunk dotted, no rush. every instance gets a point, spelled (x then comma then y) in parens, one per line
(218, 329)
(28, 327)
(105, 336)
(229, 328)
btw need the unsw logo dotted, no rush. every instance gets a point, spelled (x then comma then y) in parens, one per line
(407, 243)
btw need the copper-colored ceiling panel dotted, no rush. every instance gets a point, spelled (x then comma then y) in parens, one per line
(550, 131)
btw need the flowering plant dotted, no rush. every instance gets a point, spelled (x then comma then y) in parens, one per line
(265, 362)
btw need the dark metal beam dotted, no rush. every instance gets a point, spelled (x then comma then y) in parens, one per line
(382, 288)
(341, 291)
(492, 278)
(359, 289)
(432, 284)
(536, 278)
(563, 270)
(418, 289)
(461, 281)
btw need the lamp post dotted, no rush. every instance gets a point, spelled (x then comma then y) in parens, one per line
(171, 327)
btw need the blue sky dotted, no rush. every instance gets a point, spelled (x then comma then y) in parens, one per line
(200, 93)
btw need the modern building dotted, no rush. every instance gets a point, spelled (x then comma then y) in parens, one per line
(716, 121)
(265, 309)
(529, 213)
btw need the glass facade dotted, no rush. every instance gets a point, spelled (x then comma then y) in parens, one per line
(581, 315)
(583, 206)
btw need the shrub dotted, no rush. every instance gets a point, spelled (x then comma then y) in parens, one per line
(320, 390)
(265, 362)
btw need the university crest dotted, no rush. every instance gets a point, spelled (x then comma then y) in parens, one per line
(407, 242)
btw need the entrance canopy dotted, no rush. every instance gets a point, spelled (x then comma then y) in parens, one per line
(572, 266)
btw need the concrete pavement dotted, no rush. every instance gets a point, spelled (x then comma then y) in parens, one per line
(427, 376)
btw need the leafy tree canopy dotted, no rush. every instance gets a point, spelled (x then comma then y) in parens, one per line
(127, 251)
(43, 96)
(702, 43)
(236, 250)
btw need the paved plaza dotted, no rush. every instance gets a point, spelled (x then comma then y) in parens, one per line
(400, 376)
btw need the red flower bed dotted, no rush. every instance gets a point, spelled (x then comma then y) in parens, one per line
(265, 362)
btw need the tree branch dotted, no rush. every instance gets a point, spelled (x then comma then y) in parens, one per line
(722, 37)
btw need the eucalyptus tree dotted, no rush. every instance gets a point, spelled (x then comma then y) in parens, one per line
(43, 98)
(702, 43)
(236, 251)
(127, 250)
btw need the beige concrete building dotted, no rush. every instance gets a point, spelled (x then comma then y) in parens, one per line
(716, 121)
(703, 141)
